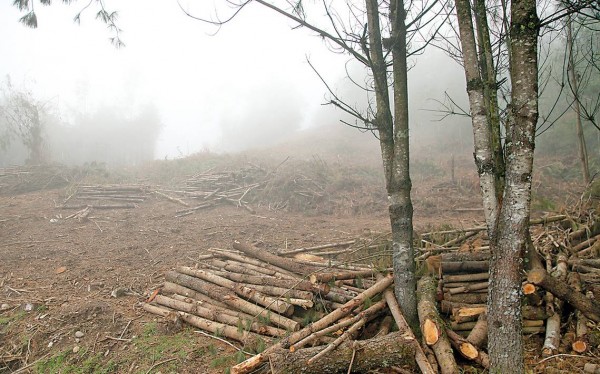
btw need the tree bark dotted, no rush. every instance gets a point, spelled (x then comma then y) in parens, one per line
(394, 349)
(509, 241)
(484, 158)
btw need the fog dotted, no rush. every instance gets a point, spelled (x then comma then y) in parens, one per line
(177, 87)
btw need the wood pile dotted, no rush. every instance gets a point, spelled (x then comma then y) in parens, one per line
(23, 179)
(294, 188)
(300, 315)
(105, 197)
(291, 312)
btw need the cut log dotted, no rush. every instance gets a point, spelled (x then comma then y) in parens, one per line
(467, 314)
(292, 252)
(170, 287)
(249, 339)
(585, 244)
(393, 349)
(193, 308)
(593, 262)
(466, 277)
(273, 259)
(466, 298)
(531, 294)
(281, 292)
(366, 314)
(552, 340)
(465, 267)
(271, 281)
(234, 267)
(469, 288)
(590, 308)
(228, 297)
(324, 277)
(423, 361)
(257, 360)
(269, 302)
(478, 335)
(468, 350)
(592, 251)
(431, 325)
(243, 259)
(234, 313)
(465, 256)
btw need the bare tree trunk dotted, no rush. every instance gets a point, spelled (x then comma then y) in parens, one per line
(484, 158)
(508, 245)
(574, 84)
(401, 209)
(488, 75)
(394, 140)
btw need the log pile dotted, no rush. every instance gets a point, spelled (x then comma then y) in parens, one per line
(23, 179)
(301, 316)
(292, 313)
(105, 197)
(293, 187)
(560, 297)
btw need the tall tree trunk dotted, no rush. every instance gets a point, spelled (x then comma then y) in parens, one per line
(400, 203)
(484, 158)
(490, 90)
(393, 138)
(504, 301)
(583, 155)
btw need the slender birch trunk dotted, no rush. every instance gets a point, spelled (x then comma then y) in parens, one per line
(484, 158)
(504, 301)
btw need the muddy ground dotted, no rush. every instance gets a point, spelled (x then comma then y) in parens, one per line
(71, 289)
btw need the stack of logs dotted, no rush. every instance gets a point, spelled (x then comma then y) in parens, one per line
(279, 306)
(293, 312)
(105, 197)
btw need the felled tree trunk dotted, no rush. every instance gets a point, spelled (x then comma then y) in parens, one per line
(432, 328)
(394, 349)
(590, 308)
(282, 262)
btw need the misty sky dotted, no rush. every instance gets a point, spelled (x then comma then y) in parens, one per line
(249, 79)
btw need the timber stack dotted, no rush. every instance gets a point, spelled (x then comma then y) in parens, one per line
(114, 196)
(297, 313)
